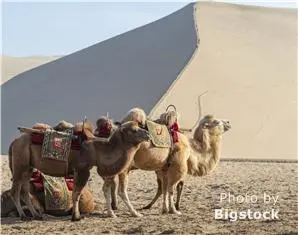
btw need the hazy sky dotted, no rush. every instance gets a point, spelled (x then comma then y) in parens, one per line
(59, 28)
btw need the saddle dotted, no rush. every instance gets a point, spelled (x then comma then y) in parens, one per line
(161, 135)
(57, 142)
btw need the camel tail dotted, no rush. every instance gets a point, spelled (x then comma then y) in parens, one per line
(10, 157)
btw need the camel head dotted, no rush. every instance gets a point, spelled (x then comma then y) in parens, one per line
(210, 129)
(132, 133)
(214, 126)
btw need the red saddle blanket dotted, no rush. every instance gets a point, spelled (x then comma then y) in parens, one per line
(37, 138)
(37, 181)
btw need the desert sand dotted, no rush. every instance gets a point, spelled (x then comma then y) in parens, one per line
(201, 196)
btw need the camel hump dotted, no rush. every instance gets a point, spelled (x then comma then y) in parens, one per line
(62, 125)
(41, 126)
(88, 129)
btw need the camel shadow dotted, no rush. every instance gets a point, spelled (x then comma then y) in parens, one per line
(49, 218)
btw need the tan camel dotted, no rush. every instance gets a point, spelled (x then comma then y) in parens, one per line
(197, 156)
(23, 156)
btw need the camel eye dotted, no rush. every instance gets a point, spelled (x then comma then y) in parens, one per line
(216, 122)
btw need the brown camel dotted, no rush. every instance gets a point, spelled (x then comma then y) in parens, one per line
(24, 155)
(196, 156)
(111, 157)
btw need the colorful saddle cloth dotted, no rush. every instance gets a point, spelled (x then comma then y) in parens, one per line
(56, 145)
(56, 190)
(159, 134)
(56, 193)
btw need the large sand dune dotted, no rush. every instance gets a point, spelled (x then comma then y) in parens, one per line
(247, 61)
(132, 69)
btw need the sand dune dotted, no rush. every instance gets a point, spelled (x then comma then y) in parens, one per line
(12, 66)
(132, 69)
(247, 62)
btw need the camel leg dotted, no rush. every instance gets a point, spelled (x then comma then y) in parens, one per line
(15, 196)
(179, 192)
(114, 194)
(123, 184)
(27, 200)
(107, 185)
(81, 177)
(174, 178)
(171, 188)
(157, 195)
(165, 205)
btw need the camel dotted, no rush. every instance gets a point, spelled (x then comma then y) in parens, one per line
(8, 209)
(111, 157)
(196, 156)
(24, 156)
(204, 157)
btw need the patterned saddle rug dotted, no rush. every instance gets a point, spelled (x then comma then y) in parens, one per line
(56, 190)
(56, 145)
(56, 193)
(159, 134)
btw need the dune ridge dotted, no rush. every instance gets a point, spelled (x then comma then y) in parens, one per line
(248, 65)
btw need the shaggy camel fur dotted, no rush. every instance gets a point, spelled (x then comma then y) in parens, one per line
(206, 144)
(111, 157)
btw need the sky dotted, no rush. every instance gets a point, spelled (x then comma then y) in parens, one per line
(59, 28)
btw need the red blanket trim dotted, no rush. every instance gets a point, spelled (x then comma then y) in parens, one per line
(174, 129)
(105, 131)
(37, 138)
(37, 181)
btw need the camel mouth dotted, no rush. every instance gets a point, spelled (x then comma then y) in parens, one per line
(227, 125)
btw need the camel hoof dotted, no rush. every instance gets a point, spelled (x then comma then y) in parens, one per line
(38, 217)
(75, 218)
(137, 214)
(175, 212)
(165, 211)
(146, 207)
(112, 215)
(26, 218)
(114, 207)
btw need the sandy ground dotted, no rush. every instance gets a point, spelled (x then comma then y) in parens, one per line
(201, 196)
